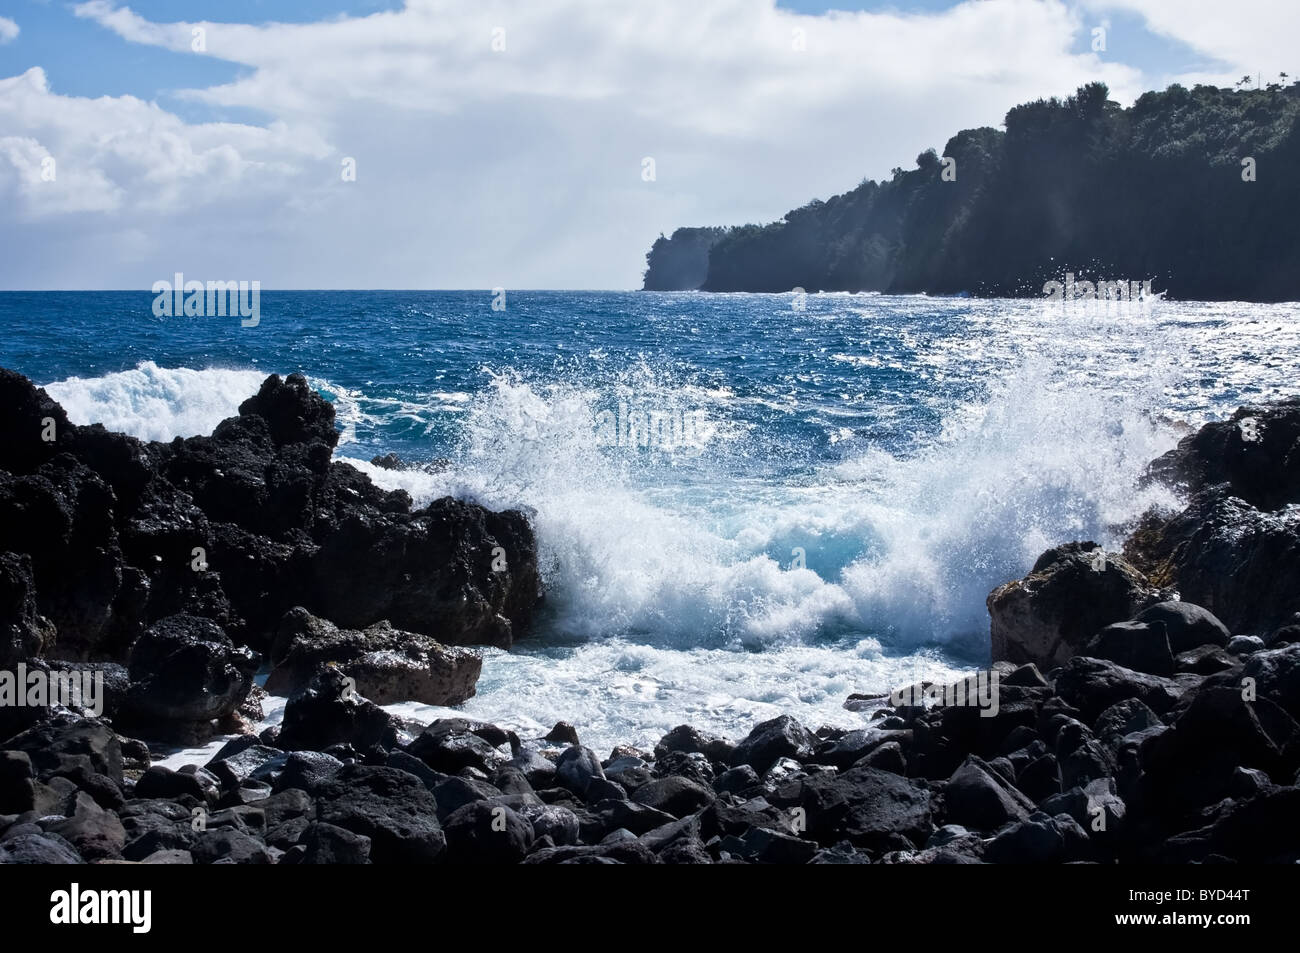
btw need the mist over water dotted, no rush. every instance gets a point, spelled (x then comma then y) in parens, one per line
(861, 470)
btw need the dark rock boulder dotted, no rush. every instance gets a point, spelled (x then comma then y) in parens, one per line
(1122, 719)
(687, 740)
(36, 848)
(1188, 626)
(562, 733)
(387, 665)
(577, 768)
(453, 793)
(97, 834)
(1276, 674)
(330, 712)
(1204, 660)
(1261, 829)
(230, 846)
(238, 527)
(1141, 646)
(31, 416)
(553, 821)
(676, 795)
(630, 772)
(451, 745)
(736, 780)
(976, 797)
(872, 809)
(235, 768)
(327, 844)
(297, 769)
(482, 832)
(1194, 763)
(1036, 840)
(780, 737)
(186, 669)
(392, 808)
(1093, 685)
(853, 746)
(50, 745)
(431, 572)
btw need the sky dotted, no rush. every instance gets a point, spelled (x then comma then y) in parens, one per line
(516, 143)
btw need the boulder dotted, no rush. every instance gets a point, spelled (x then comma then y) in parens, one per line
(853, 746)
(677, 796)
(1093, 685)
(330, 712)
(1204, 660)
(294, 413)
(1141, 646)
(97, 834)
(1194, 763)
(1245, 645)
(1188, 626)
(387, 665)
(1071, 593)
(577, 767)
(186, 669)
(687, 740)
(781, 737)
(550, 820)
(229, 846)
(872, 809)
(1277, 676)
(328, 844)
(976, 797)
(483, 832)
(451, 745)
(35, 848)
(30, 416)
(62, 516)
(431, 571)
(392, 808)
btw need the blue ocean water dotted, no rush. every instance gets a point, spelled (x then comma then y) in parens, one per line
(746, 504)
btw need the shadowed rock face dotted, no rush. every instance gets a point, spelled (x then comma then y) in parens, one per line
(1235, 548)
(237, 528)
(23, 633)
(1254, 455)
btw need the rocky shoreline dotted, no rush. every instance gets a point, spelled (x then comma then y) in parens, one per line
(1144, 704)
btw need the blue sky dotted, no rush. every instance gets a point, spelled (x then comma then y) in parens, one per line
(521, 169)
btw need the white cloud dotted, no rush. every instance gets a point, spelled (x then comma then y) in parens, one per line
(8, 30)
(123, 155)
(1245, 36)
(519, 168)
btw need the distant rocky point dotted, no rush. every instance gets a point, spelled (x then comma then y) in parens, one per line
(1190, 189)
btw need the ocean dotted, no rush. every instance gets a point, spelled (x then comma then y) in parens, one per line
(746, 505)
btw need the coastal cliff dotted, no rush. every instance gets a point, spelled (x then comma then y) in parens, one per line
(1189, 189)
